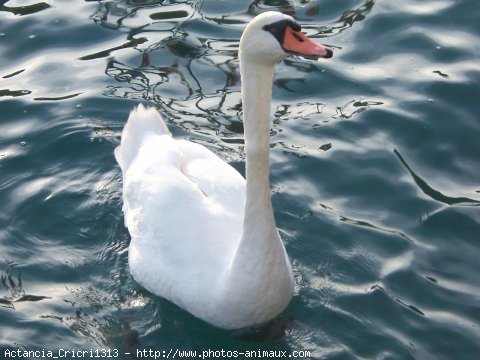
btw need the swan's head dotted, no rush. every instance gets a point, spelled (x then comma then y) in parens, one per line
(272, 36)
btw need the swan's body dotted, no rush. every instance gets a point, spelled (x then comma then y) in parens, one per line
(201, 235)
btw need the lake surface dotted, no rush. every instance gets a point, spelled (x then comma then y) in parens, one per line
(375, 173)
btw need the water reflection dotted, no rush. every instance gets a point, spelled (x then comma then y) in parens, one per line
(105, 53)
(11, 281)
(24, 10)
(381, 249)
(187, 62)
(349, 17)
(433, 193)
(198, 87)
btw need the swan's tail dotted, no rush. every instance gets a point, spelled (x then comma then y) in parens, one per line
(142, 121)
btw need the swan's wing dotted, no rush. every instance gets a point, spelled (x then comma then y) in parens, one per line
(215, 178)
(184, 183)
(184, 210)
(141, 122)
(183, 207)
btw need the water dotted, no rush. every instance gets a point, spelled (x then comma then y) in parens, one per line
(374, 167)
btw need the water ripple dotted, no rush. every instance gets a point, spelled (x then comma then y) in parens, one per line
(374, 168)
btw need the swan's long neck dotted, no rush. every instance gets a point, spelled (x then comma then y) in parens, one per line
(259, 271)
(260, 247)
(259, 267)
(256, 97)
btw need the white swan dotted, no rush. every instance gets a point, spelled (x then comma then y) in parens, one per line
(202, 236)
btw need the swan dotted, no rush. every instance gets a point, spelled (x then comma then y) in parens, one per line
(202, 236)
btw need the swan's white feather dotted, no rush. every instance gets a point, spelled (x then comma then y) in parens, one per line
(147, 120)
(183, 207)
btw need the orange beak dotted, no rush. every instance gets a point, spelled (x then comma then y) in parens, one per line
(297, 43)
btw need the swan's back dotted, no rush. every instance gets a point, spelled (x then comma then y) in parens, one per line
(183, 207)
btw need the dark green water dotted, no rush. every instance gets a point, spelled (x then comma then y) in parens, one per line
(375, 168)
